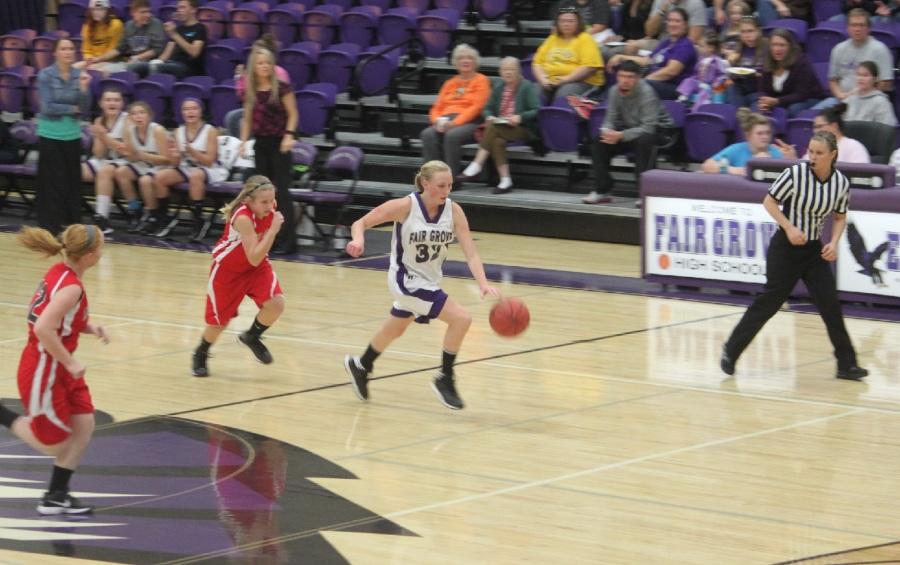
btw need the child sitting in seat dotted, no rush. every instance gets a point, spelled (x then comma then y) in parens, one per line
(710, 78)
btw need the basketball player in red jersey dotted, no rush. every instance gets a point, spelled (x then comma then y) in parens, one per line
(60, 414)
(241, 268)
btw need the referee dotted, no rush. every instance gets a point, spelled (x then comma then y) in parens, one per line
(808, 192)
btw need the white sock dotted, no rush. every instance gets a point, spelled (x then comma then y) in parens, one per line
(103, 205)
(592, 195)
(472, 170)
(505, 182)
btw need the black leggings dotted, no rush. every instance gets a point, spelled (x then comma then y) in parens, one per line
(278, 166)
(58, 183)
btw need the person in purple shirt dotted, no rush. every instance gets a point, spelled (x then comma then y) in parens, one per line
(788, 79)
(672, 60)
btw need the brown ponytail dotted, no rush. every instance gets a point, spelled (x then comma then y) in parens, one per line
(77, 241)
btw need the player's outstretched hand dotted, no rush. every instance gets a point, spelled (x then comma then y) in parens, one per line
(76, 369)
(355, 248)
(488, 290)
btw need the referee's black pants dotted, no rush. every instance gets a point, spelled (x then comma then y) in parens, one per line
(785, 265)
(279, 168)
(58, 200)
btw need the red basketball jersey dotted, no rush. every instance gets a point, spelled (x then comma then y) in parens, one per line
(58, 277)
(229, 250)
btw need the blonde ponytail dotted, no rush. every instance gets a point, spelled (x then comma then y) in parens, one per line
(427, 171)
(77, 241)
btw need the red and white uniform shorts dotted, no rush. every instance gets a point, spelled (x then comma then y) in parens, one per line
(226, 290)
(51, 396)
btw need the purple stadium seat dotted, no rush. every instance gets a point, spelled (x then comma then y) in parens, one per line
(417, 6)
(383, 5)
(344, 4)
(460, 6)
(527, 72)
(121, 9)
(343, 162)
(167, 12)
(375, 75)
(299, 60)
(559, 128)
(491, 9)
(796, 26)
(42, 50)
(435, 29)
(799, 130)
(316, 102)
(14, 47)
(270, 4)
(825, 9)
(320, 24)
(199, 87)
(705, 134)
(677, 111)
(885, 33)
(726, 111)
(396, 25)
(358, 25)
(13, 89)
(214, 16)
(821, 69)
(122, 81)
(71, 16)
(223, 99)
(155, 90)
(820, 41)
(336, 64)
(283, 22)
(246, 20)
(25, 132)
(222, 57)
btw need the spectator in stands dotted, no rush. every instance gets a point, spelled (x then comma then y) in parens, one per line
(671, 61)
(887, 11)
(270, 117)
(695, 20)
(750, 54)
(771, 10)
(568, 62)
(146, 148)
(142, 40)
(847, 55)
(879, 10)
(107, 154)
(832, 120)
(788, 79)
(233, 118)
(100, 34)
(633, 122)
(758, 133)
(634, 14)
(596, 16)
(866, 103)
(455, 113)
(196, 162)
(708, 83)
(183, 54)
(65, 95)
(510, 115)
(731, 33)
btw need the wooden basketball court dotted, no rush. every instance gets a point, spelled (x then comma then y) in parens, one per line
(605, 434)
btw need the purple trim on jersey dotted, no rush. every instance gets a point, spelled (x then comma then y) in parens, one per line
(138, 174)
(437, 297)
(425, 210)
(398, 313)
(187, 177)
(91, 167)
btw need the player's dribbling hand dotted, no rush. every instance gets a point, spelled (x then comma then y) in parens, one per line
(355, 248)
(76, 369)
(488, 290)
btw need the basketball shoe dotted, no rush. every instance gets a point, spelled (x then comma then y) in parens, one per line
(359, 377)
(61, 502)
(256, 346)
(198, 364)
(726, 363)
(445, 389)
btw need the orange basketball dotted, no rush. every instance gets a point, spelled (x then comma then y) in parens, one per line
(510, 317)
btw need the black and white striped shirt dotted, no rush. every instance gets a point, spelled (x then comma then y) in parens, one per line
(807, 201)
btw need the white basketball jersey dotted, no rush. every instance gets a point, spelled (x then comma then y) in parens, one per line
(248, 161)
(419, 246)
(148, 145)
(228, 147)
(198, 143)
(117, 132)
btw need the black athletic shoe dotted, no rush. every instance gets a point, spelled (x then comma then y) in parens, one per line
(198, 364)
(61, 502)
(853, 373)
(359, 377)
(149, 226)
(445, 388)
(256, 346)
(726, 363)
(102, 223)
(134, 220)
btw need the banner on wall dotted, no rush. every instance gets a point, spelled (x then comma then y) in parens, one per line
(869, 254)
(706, 239)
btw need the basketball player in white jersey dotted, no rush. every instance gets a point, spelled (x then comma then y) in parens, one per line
(425, 223)
(146, 144)
(108, 132)
(196, 150)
